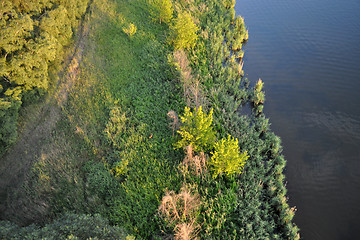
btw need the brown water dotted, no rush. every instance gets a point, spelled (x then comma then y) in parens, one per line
(308, 54)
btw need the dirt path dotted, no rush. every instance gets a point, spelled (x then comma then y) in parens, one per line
(17, 163)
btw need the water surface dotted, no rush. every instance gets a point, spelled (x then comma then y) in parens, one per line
(308, 54)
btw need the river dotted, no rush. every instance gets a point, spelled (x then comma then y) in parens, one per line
(307, 52)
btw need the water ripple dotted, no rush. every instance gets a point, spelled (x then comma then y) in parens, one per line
(308, 54)
(337, 123)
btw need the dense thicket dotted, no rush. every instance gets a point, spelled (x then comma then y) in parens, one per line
(254, 205)
(33, 35)
(69, 226)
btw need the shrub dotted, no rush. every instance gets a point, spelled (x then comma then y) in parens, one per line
(70, 226)
(116, 127)
(196, 130)
(259, 95)
(227, 158)
(183, 32)
(194, 164)
(161, 11)
(130, 30)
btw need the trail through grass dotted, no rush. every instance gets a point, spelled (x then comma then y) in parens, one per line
(112, 71)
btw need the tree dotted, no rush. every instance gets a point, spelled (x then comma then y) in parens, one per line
(57, 24)
(9, 106)
(183, 32)
(161, 11)
(227, 158)
(196, 130)
(32, 37)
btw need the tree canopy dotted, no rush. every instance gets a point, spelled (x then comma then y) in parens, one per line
(32, 37)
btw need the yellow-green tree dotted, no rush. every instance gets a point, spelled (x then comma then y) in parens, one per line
(161, 11)
(227, 158)
(196, 130)
(58, 25)
(32, 37)
(183, 31)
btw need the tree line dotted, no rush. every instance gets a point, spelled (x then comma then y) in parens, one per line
(33, 39)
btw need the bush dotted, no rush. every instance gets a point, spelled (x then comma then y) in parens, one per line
(181, 212)
(227, 158)
(70, 226)
(183, 32)
(196, 130)
(116, 128)
(258, 98)
(130, 30)
(161, 11)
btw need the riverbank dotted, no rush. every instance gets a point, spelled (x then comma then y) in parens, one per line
(118, 158)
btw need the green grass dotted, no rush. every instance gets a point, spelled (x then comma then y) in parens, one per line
(111, 152)
(133, 73)
(75, 171)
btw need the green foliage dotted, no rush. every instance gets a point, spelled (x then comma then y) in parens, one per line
(229, 4)
(28, 42)
(102, 188)
(252, 205)
(116, 127)
(32, 37)
(69, 226)
(258, 97)
(136, 142)
(57, 24)
(9, 106)
(196, 130)
(227, 158)
(220, 204)
(161, 11)
(123, 139)
(259, 85)
(239, 34)
(136, 147)
(183, 31)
